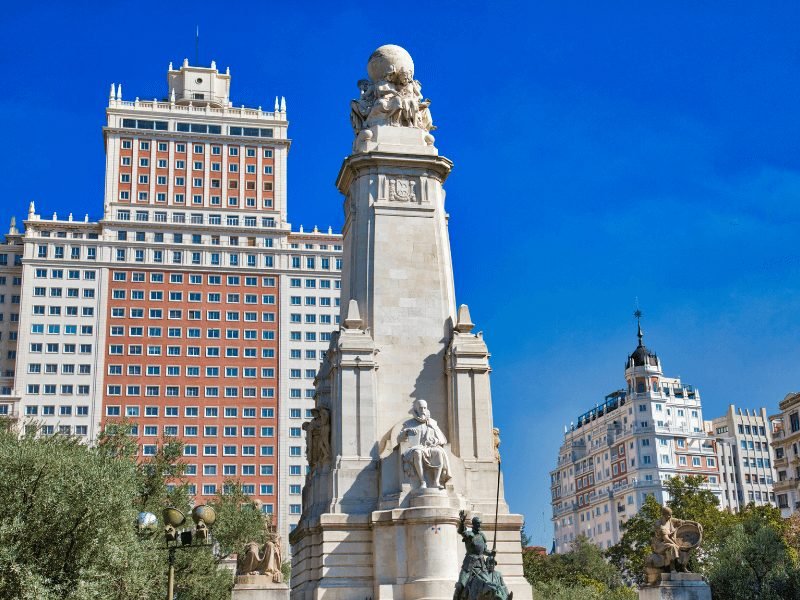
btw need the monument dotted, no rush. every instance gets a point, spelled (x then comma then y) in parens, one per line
(667, 575)
(402, 439)
(258, 572)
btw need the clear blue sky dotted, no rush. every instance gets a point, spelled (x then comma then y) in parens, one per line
(603, 152)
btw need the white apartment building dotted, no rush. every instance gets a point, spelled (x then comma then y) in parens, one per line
(620, 451)
(747, 469)
(786, 444)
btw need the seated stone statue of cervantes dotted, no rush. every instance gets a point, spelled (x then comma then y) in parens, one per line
(422, 446)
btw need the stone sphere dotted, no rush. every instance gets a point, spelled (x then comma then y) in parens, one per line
(382, 60)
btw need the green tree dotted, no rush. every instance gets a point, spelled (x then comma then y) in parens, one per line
(68, 528)
(753, 562)
(69, 532)
(582, 572)
(630, 553)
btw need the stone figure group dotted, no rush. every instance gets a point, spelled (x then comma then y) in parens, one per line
(672, 542)
(391, 96)
(478, 579)
(262, 560)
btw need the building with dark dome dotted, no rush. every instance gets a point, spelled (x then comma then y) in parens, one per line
(624, 447)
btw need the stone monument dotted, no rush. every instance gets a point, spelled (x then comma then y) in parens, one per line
(407, 440)
(258, 572)
(667, 568)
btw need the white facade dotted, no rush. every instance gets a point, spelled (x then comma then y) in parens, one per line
(59, 370)
(619, 452)
(786, 444)
(747, 469)
(10, 298)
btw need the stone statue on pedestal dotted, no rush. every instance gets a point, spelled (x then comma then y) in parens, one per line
(478, 579)
(266, 560)
(673, 540)
(422, 445)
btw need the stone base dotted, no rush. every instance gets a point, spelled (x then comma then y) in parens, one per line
(410, 553)
(677, 586)
(259, 587)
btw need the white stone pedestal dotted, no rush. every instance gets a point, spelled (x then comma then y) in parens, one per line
(677, 586)
(259, 587)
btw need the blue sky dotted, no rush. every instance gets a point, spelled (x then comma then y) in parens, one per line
(603, 152)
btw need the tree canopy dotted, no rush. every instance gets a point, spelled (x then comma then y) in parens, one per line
(70, 512)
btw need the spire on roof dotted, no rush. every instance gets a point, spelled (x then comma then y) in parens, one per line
(638, 314)
(641, 356)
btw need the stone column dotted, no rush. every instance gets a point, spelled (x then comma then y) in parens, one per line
(405, 380)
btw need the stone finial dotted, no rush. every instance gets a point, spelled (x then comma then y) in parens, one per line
(31, 210)
(111, 94)
(119, 92)
(12, 229)
(464, 324)
(185, 62)
(214, 64)
(353, 318)
(227, 70)
(169, 68)
(86, 218)
(276, 104)
(55, 216)
(283, 104)
(172, 96)
(316, 229)
(69, 218)
(301, 229)
(330, 230)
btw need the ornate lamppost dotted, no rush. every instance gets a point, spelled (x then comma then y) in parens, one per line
(203, 516)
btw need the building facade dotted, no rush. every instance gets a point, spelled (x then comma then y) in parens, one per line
(191, 308)
(621, 451)
(744, 453)
(786, 445)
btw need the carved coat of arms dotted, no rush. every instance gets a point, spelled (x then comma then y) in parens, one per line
(402, 190)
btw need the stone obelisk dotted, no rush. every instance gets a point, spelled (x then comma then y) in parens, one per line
(402, 437)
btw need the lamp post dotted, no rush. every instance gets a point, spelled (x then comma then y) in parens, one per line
(204, 518)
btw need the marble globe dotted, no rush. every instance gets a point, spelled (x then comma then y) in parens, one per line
(386, 57)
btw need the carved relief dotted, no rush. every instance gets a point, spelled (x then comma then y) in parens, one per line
(402, 190)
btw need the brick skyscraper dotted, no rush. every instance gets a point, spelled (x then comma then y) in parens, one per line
(190, 308)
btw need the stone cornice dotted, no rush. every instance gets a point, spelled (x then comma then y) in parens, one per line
(355, 163)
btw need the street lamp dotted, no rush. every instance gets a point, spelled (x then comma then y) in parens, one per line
(204, 518)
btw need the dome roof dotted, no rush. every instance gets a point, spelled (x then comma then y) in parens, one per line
(642, 356)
